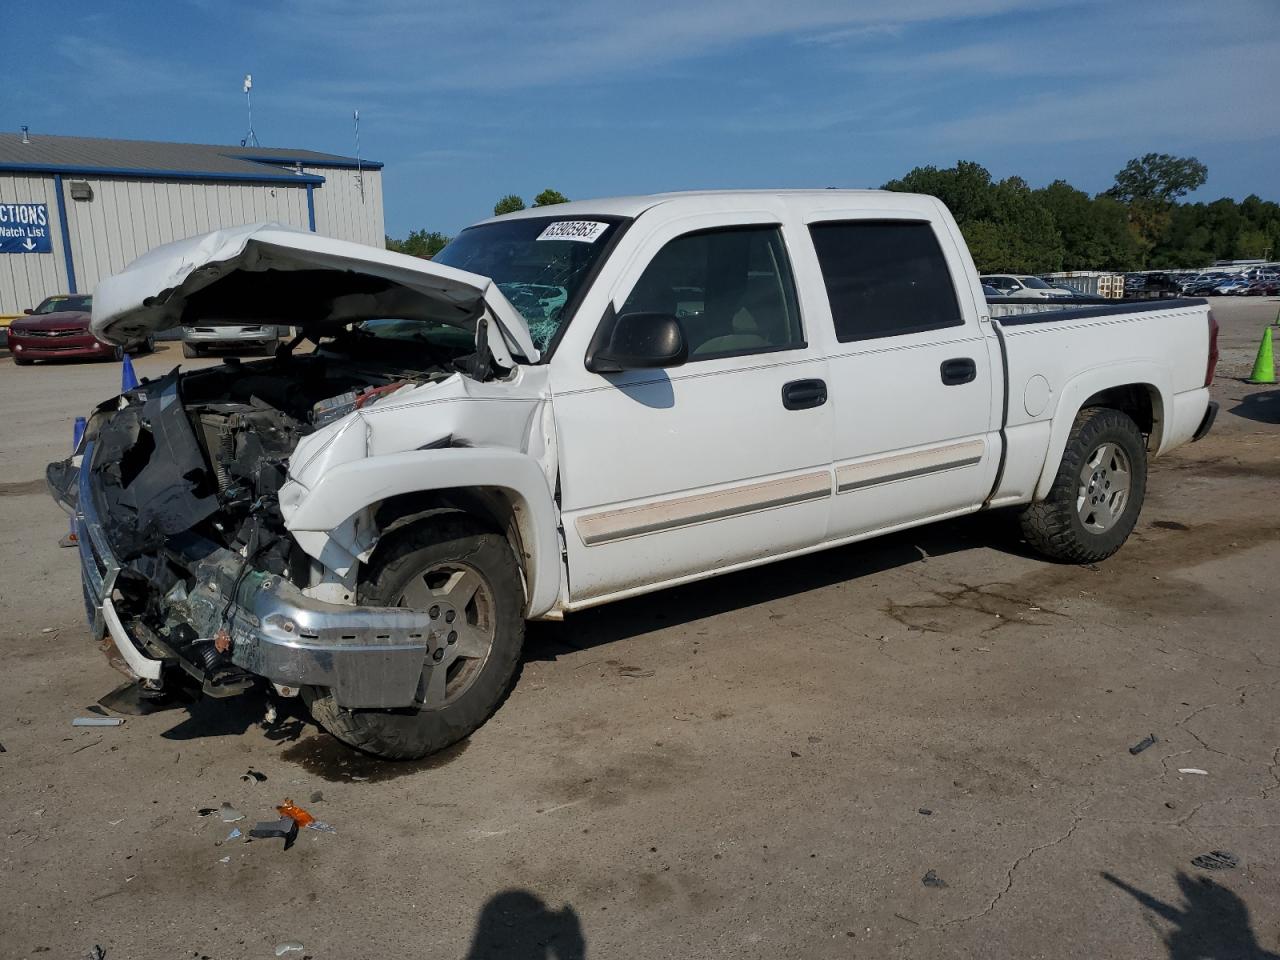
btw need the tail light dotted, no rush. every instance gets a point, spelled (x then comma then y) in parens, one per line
(1213, 350)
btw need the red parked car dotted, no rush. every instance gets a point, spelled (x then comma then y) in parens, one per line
(59, 328)
(1263, 288)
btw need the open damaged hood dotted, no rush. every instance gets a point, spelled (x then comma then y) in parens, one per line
(271, 273)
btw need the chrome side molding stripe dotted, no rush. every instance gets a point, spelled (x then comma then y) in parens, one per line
(867, 473)
(685, 511)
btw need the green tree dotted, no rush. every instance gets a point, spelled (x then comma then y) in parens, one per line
(548, 197)
(1005, 224)
(508, 204)
(1095, 231)
(1158, 177)
(419, 243)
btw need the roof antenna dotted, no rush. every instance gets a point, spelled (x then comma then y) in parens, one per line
(251, 139)
(25, 138)
(359, 165)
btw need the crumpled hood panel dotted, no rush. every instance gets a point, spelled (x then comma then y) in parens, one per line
(171, 284)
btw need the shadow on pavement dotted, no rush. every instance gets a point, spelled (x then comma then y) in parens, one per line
(1213, 923)
(517, 925)
(211, 717)
(1261, 407)
(773, 581)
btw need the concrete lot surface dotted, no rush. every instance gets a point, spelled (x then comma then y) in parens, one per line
(766, 765)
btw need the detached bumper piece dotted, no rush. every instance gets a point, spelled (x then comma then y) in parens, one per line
(237, 624)
(1210, 415)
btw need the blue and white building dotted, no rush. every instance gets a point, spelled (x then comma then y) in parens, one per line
(76, 209)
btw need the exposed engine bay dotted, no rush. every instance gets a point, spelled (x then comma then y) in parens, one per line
(186, 470)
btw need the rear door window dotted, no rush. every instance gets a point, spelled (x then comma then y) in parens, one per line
(885, 278)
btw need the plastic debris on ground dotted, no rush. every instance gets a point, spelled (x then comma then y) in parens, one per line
(230, 814)
(97, 953)
(235, 834)
(285, 828)
(1194, 770)
(1216, 860)
(303, 818)
(225, 860)
(253, 776)
(295, 813)
(931, 879)
(97, 721)
(291, 947)
(1148, 741)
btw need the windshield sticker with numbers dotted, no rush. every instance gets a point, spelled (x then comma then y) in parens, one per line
(586, 231)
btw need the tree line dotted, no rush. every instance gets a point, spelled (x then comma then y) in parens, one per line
(1139, 223)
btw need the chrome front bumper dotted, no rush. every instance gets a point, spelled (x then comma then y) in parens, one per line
(369, 656)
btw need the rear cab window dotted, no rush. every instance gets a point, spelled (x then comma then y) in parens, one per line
(885, 278)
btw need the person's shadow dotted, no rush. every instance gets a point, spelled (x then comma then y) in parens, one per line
(517, 925)
(1212, 925)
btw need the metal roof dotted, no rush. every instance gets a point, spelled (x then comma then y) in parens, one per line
(161, 160)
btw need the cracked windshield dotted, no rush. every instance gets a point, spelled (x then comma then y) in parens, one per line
(539, 264)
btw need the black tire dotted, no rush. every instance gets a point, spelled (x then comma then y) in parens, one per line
(403, 556)
(1055, 527)
(190, 351)
(18, 362)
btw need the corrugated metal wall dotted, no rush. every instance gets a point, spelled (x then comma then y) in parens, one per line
(340, 210)
(27, 278)
(126, 218)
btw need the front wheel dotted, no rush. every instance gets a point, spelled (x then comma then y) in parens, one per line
(1097, 494)
(190, 351)
(466, 576)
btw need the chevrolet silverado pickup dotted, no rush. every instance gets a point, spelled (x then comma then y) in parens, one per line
(572, 405)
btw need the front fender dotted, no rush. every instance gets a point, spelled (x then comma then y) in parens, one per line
(1074, 393)
(337, 501)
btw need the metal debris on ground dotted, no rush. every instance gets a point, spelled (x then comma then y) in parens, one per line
(230, 814)
(925, 812)
(291, 947)
(97, 953)
(284, 828)
(1148, 741)
(97, 721)
(206, 811)
(1194, 770)
(269, 718)
(253, 775)
(931, 879)
(1216, 860)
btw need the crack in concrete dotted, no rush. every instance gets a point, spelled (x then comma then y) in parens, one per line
(1008, 885)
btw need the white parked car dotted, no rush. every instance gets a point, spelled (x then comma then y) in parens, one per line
(198, 339)
(1021, 285)
(576, 404)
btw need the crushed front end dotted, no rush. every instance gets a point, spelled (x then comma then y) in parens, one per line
(186, 564)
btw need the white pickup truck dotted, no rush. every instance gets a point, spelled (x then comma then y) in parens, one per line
(571, 405)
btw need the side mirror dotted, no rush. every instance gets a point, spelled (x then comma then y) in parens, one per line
(28, 311)
(636, 341)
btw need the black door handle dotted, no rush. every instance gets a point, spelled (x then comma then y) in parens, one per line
(804, 394)
(959, 370)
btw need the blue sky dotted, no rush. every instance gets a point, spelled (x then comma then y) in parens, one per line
(466, 101)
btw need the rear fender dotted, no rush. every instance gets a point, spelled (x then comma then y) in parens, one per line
(333, 520)
(1077, 391)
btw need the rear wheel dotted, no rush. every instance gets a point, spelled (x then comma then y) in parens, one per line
(1097, 494)
(466, 576)
(190, 351)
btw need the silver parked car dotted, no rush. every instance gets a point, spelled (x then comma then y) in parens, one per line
(196, 340)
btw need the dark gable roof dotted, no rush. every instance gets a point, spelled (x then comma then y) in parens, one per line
(151, 158)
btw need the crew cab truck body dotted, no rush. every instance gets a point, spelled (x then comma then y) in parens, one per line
(572, 405)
